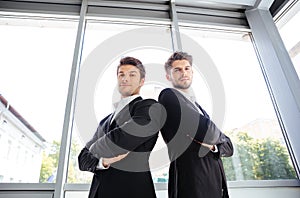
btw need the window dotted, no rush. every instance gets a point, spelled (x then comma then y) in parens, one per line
(36, 59)
(290, 36)
(105, 44)
(228, 75)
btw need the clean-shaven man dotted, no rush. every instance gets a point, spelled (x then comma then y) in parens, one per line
(118, 153)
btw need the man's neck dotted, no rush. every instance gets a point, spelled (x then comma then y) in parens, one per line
(187, 91)
(123, 101)
(123, 97)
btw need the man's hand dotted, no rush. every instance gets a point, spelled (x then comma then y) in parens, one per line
(210, 147)
(106, 162)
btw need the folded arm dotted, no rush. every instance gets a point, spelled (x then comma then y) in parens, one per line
(86, 160)
(225, 146)
(182, 117)
(143, 124)
(185, 119)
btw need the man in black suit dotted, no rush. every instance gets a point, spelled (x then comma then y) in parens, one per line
(118, 153)
(195, 144)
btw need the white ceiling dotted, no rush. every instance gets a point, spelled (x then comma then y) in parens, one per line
(221, 4)
(243, 4)
(197, 10)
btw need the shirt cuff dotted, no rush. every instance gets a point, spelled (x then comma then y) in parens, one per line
(100, 165)
(215, 149)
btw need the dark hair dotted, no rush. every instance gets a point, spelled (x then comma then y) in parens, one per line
(177, 56)
(135, 62)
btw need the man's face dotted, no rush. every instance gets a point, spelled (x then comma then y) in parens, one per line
(181, 74)
(129, 80)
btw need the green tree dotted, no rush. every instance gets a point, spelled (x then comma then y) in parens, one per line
(50, 162)
(73, 172)
(47, 168)
(228, 165)
(257, 159)
(273, 161)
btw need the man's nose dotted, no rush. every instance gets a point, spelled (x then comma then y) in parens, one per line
(125, 78)
(184, 72)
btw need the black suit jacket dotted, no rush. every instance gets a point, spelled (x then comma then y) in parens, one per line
(194, 170)
(134, 129)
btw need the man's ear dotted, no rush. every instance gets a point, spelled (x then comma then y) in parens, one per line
(142, 81)
(168, 77)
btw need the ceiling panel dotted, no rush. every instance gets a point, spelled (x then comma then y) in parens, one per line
(225, 4)
(230, 12)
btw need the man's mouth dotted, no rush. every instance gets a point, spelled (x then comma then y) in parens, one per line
(183, 79)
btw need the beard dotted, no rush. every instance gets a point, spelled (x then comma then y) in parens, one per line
(182, 86)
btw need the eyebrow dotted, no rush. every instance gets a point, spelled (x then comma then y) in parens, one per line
(129, 72)
(181, 67)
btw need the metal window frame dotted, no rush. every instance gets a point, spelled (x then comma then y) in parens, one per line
(65, 146)
(280, 76)
(239, 18)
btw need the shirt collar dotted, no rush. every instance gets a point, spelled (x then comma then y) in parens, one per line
(124, 101)
(189, 95)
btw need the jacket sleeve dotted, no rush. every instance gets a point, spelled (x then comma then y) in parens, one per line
(143, 124)
(99, 133)
(225, 146)
(185, 120)
(171, 105)
(86, 160)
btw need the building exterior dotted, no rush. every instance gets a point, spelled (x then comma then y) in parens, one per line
(21, 146)
(261, 128)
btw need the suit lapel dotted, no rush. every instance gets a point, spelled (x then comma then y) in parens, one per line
(107, 123)
(187, 101)
(190, 104)
(125, 111)
(109, 120)
(203, 111)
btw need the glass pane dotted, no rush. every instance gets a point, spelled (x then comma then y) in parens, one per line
(105, 44)
(290, 36)
(229, 84)
(36, 58)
